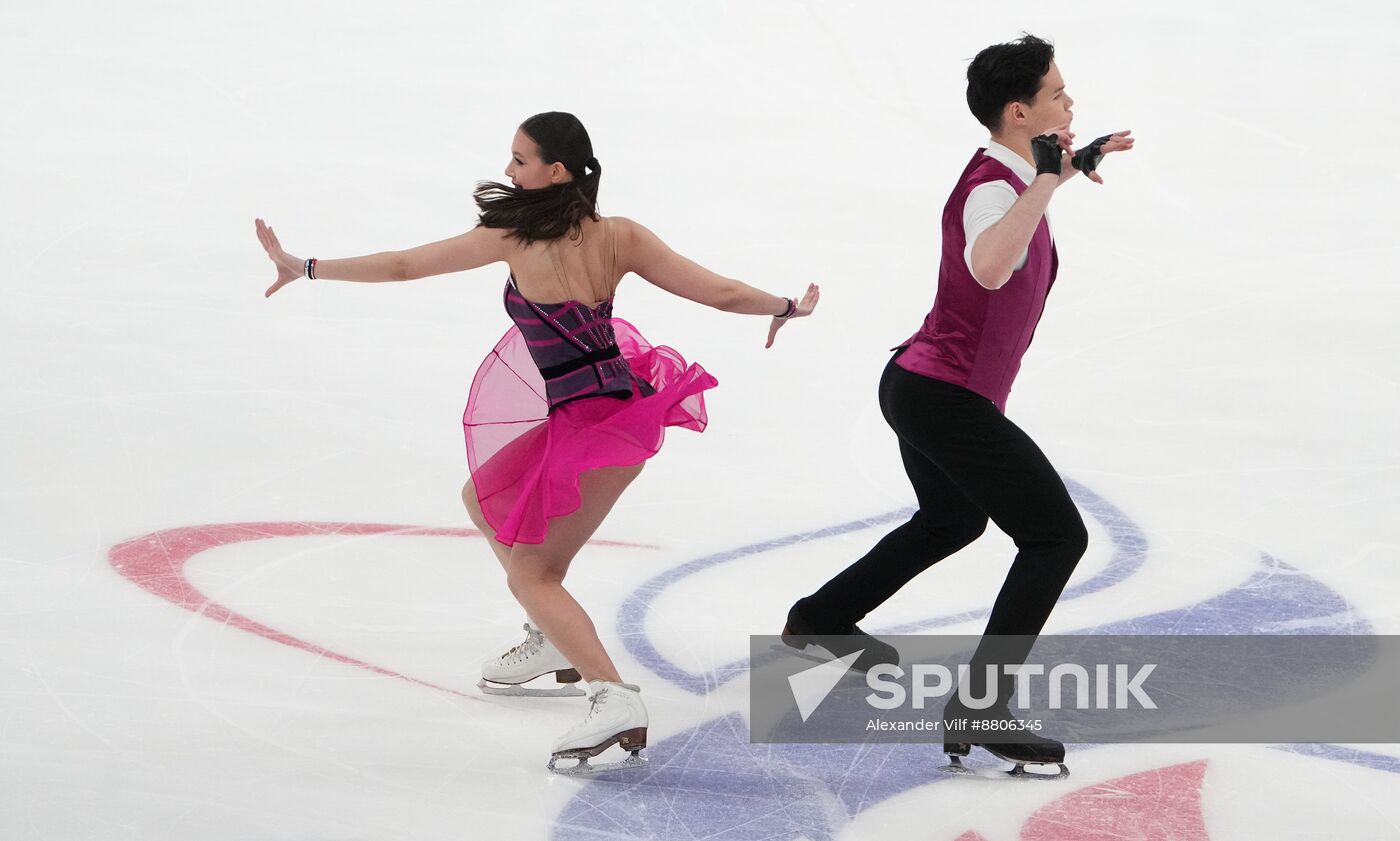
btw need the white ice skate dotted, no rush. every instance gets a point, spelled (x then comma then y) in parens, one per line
(616, 717)
(535, 657)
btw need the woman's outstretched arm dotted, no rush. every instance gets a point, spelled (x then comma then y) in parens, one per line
(476, 248)
(643, 252)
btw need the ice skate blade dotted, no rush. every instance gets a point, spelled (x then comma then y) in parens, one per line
(1018, 773)
(634, 741)
(585, 769)
(815, 653)
(520, 690)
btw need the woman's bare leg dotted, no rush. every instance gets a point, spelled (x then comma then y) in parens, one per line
(479, 520)
(536, 572)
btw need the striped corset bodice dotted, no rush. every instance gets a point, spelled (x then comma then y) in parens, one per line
(574, 347)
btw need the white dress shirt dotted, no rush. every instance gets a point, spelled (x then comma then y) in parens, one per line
(988, 202)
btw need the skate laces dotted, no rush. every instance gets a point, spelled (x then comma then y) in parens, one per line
(534, 641)
(596, 700)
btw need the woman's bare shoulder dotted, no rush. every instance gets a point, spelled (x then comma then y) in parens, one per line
(629, 233)
(624, 224)
(500, 240)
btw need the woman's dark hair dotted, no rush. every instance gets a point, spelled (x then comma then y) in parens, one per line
(1005, 73)
(558, 209)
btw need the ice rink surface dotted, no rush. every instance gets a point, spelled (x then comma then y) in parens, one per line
(239, 597)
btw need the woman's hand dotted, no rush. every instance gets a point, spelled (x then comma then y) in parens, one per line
(289, 268)
(804, 307)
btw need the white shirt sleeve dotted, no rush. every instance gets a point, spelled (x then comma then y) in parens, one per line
(985, 206)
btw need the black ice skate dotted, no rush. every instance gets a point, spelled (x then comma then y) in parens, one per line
(966, 728)
(808, 640)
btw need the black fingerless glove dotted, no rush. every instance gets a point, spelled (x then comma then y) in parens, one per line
(1086, 160)
(1046, 151)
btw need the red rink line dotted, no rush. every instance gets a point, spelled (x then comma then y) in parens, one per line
(1163, 804)
(156, 563)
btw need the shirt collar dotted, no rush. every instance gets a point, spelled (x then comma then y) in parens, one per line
(1013, 161)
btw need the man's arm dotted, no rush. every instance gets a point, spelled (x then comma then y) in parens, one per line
(998, 249)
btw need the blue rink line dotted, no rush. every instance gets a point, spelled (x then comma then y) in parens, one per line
(710, 782)
(1349, 755)
(1129, 552)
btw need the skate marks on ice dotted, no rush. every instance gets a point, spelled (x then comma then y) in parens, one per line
(715, 785)
(157, 563)
(1127, 555)
(1163, 804)
(710, 782)
(710, 778)
(1020, 771)
(1275, 599)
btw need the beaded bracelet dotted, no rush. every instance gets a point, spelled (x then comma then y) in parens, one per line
(310, 268)
(791, 308)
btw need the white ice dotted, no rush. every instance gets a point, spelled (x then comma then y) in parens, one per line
(1218, 360)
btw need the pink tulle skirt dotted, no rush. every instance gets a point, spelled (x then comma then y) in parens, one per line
(525, 461)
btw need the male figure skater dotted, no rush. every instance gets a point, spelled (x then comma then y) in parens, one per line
(944, 393)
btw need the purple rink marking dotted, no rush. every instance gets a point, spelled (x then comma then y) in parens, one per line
(709, 782)
(1128, 555)
(1351, 756)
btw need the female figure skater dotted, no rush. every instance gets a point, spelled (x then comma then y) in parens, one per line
(569, 404)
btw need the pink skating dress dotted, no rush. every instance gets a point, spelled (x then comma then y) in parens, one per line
(568, 388)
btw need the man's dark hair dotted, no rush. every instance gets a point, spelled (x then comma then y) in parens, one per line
(1005, 73)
